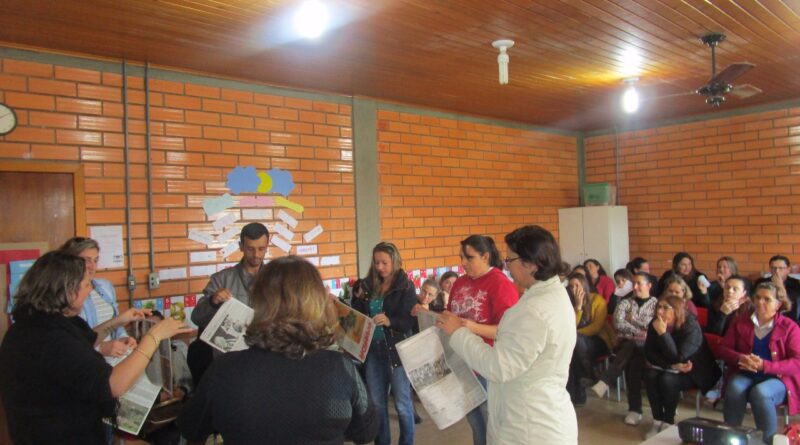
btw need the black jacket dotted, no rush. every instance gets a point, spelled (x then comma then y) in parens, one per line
(680, 346)
(397, 305)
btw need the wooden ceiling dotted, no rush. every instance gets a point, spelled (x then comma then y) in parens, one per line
(566, 67)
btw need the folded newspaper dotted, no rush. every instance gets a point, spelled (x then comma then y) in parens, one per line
(225, 332)
(135, 405)
(354, 332)
(445, 384)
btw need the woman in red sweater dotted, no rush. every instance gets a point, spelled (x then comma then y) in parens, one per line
(599, 281)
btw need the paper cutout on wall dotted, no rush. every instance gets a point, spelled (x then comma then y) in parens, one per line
(313, 233)
(329, 261)
(229, 249)
(202, 271)
(201, 237)
(281, 230)
(281, 243)
(282, 181)
(313, 260)
(307, 250)
(177, 273)
(226, 220)
(228, 234)
(181, 307)
(215, 205)
(266, 183)
(243, 180)
(256, 214)
(257, 201)
(150, 303)
(287, 218)
(206, 256)
(110, 240)
(281, 201)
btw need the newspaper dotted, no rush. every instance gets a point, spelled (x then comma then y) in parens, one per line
(445, 384)
(159, 370)
(135, 405)
(354, 332)
(225, 332)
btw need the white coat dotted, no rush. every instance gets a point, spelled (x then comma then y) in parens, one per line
(527, 368)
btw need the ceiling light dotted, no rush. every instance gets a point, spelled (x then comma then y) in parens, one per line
(630, 99)
(631, 62)
(311, 19)
(502, 58)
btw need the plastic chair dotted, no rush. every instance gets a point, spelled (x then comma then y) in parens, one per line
(702, 317)
(604, 361)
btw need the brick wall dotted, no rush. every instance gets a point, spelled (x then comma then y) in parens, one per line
(444, 179)
(199, 133)
(728, 186)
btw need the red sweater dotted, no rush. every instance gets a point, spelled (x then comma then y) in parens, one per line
(483, 300)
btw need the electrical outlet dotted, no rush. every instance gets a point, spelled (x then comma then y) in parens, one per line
(154, 282)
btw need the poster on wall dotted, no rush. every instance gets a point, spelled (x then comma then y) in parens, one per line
(110, 240)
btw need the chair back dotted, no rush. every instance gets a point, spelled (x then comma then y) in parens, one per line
(702, 317)
(714, 342)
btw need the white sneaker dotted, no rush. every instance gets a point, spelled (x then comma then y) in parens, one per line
(664, 425)
(654, 429)
(600, 388)
(633, 418)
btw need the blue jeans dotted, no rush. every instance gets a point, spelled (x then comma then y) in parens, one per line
(478, 419)
(763, 393)
(380, 379)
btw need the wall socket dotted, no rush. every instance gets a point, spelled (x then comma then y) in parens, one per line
(154, 281)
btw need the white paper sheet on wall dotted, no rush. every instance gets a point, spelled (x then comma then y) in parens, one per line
(281, 230)
(176, 273)
(202, 271)
(287, 218)
(229, 249)
(228, 234)
(313, 260)
(201, 237)
(281, 243)
(307, 250)
(110, 240)
(207, 256)
(313, 233)
(329, 261)
(225, 221)
(256, 214)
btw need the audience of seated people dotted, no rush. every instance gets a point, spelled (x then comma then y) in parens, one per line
(599, 281)
(675, 286)
(683, 266)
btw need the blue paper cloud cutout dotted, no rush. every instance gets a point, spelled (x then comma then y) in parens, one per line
(243, 180)
(281, 181)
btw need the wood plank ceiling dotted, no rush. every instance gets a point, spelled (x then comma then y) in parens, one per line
(566, 68)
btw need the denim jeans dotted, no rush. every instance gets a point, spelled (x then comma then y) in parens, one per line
(380, 379)
(764, 394)
(478, 419)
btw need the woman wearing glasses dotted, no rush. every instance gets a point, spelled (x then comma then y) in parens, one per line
(528, 365)
(387, 295)
(678, 357)
(762, 352)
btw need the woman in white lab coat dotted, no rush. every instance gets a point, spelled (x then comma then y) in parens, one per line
(528, 366)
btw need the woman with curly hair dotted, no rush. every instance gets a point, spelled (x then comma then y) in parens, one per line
(286, 388)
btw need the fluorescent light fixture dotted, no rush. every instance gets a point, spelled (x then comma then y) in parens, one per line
(311, 19)
(631, 62)
(630, 99)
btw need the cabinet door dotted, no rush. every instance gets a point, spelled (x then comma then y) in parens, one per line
(596, 235)
(570, 234)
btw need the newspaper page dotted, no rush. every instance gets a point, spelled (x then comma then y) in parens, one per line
(159, 370)
(354, 332)
(225, 332)
(426, 319)
(135, 405)
(445, 384)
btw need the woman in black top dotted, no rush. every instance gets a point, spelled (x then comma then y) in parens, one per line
(55, 387)
(387, 295)
(683, 266)
(678, 359)
(285, 389)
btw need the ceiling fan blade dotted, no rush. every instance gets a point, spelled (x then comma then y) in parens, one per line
(731, 73)
(668, 96)
(745, 91)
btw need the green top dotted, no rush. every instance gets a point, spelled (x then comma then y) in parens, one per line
(375, 308)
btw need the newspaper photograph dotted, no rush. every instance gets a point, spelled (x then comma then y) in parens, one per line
(225, 332)
(354, 332)
(445, 384)
(135, 405)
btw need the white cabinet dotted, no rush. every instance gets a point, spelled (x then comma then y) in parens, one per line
(594, 232)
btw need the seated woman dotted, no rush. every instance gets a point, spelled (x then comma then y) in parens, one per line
(726, 267)
(599, 282)
(683, 266)
(631, 319)
(675, 286)
(762, 352)
(446, 282)
(624, 281)
(736, 301)
(678, 358)
(286, 388)
(56, 388)
(594, 337)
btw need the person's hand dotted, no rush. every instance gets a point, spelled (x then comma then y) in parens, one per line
(382, 320)
(168, 328)
(757, 363)
(129, 341)
(133, 314)
(701, 284)
(683, 367)
(220, 296)
(418, 308)
(659, 325)
(113, 348)
(729, 305)
(579, 296)
(449, 322)
(749, 363)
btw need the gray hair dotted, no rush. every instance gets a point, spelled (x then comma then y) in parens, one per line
(75, 246)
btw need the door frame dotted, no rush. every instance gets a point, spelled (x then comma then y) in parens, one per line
(75, 169)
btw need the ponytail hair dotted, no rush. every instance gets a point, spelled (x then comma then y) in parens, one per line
(482, 245)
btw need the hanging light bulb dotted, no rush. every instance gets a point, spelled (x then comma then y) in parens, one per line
(630, 99)
(502, 58)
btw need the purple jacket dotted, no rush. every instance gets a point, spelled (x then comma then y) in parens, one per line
(784, 345)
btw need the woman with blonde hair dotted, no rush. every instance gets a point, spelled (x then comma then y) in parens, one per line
(286, 388)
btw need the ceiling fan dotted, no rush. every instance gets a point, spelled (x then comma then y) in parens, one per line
(720, 83)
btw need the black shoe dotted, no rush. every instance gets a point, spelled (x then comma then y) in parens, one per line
(417, 419)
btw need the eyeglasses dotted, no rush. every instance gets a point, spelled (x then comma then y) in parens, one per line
(666, 307)
(510, 260)
(765, 299)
